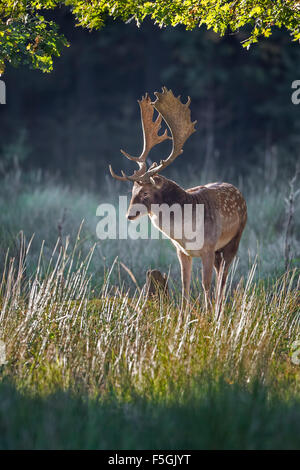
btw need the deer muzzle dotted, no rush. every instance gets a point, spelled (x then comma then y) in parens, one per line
(135, 211)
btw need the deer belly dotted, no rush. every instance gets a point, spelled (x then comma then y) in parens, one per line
(229, 231)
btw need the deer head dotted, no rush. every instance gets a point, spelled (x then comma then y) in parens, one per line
(148, 185)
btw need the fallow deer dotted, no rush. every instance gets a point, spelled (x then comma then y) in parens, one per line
(225, 210)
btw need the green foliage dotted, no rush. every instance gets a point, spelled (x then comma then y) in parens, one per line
(27, 37)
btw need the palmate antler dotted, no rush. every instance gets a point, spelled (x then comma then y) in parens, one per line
(151, 138)
(178, 119)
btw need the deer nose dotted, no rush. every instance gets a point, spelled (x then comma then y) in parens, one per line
(132, 217)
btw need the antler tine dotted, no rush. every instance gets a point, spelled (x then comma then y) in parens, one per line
(177, 116)
(117, 177)
(150, 127)
(150, 137)
(130, 157)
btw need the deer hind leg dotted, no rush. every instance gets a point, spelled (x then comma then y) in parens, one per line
(208, 259)
(223, 259)
(186, 271)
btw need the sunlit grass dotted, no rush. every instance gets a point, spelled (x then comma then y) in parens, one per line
(58, 335)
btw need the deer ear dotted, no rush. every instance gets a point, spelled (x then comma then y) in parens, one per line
(157, 181)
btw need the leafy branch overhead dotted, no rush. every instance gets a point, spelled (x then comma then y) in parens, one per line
(27, 36)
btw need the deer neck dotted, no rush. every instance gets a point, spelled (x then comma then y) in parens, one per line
(171, 195)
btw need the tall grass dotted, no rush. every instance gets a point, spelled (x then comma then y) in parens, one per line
(57, 334)
(77, 364)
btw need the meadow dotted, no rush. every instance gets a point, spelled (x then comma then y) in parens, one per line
(92, 363)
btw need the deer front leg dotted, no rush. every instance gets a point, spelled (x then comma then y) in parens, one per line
(186, 271)
(208, 259)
